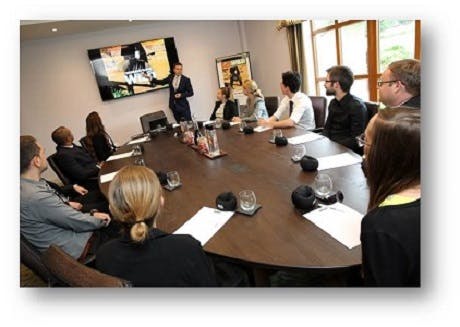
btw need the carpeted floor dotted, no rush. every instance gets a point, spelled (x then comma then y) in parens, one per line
(30, 279)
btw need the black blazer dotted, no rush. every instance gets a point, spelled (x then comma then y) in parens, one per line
(230, 110)
(170, 260)
(103, 147)
(76, 164)
(180, 105)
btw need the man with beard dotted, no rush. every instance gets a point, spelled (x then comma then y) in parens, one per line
(347, 113)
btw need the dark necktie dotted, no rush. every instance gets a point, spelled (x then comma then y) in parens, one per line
(291, 104)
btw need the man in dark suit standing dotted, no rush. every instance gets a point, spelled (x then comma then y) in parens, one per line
(180, 88)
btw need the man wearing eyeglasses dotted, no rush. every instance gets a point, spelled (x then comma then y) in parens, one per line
(347, 113)
(399, 84)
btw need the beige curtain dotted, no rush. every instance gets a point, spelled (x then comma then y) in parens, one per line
(296, 48)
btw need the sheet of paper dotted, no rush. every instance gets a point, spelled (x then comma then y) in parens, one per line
(232, 123)
(108, 177)
(261, 128)
(205, 223)
(208, 122)
(338, 160)
(120, 156)
(308, 137)
(140, 140)
(340, 221)
(174, 125)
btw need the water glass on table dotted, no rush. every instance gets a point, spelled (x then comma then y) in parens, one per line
(247, 200)
(298, 151)
(173, 178)
(323, 185)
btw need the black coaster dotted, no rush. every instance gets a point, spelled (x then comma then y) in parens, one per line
(169, 188)
(249, 213)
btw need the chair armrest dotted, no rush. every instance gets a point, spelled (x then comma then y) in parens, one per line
(318, 130)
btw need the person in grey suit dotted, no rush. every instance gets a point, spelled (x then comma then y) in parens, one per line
(180, 88)
(47, 217)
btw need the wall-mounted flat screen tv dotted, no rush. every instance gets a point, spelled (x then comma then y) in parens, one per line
(122, 70)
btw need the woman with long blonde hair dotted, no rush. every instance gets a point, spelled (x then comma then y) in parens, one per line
(145, 255)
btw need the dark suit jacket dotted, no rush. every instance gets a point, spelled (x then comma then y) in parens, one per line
(230, 110)
(180, 105)
(76, 164)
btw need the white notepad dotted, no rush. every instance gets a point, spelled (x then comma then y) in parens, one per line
(308, 137)
(140, 140)
(261, 128)
(205, 224)
(108, 177)
(340, 221)
(338, 160)
(120, 156)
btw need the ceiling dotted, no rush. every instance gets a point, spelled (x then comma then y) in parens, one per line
(41, 29)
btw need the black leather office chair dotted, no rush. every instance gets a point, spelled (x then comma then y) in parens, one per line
(72, 273)
(55, 167)
(31, 258)
(151, 121)
(372, 109)
(319, 104)
(271, 103)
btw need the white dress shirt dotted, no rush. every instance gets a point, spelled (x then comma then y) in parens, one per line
(302, 111)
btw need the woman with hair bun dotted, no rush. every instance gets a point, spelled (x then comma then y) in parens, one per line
(145, 255)
(255, 103)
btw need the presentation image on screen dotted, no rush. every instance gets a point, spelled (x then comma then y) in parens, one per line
(124, 70)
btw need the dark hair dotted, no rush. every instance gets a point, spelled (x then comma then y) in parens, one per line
(29, 149)
(59, 136)
(177, 64)
(408, 72)
(292, 80)
(343, 75)
(94, 124)
(393, 160)
(227, 91)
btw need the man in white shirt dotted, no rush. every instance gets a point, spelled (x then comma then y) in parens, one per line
(295, 104)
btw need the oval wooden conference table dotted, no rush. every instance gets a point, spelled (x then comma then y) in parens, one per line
(277, 236)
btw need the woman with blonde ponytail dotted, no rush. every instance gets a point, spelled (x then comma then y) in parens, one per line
(255, 103)
(145, 255)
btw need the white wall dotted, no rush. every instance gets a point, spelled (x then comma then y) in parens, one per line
(269, 54)
(59, 88)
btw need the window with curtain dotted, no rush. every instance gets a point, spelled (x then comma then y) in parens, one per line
(367, 47)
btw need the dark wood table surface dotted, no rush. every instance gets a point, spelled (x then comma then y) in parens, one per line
(277, 235)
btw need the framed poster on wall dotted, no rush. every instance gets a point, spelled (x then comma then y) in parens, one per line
(233, 71)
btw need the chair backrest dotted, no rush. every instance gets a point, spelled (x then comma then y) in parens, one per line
(271, 103)
(372, 108)
(31, 258)
(74, 273)
(151, 120)
(319, 104)
(57, 170)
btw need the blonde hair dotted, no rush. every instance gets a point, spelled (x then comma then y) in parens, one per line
(135, 200)
(252, 86)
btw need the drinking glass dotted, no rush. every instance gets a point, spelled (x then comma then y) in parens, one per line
(136, 150)
(139, 161)
(247, 200)
(323, 185)
(242, 125)
(173, 178)
(298, 151)
(275, 133)
(218, 122)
